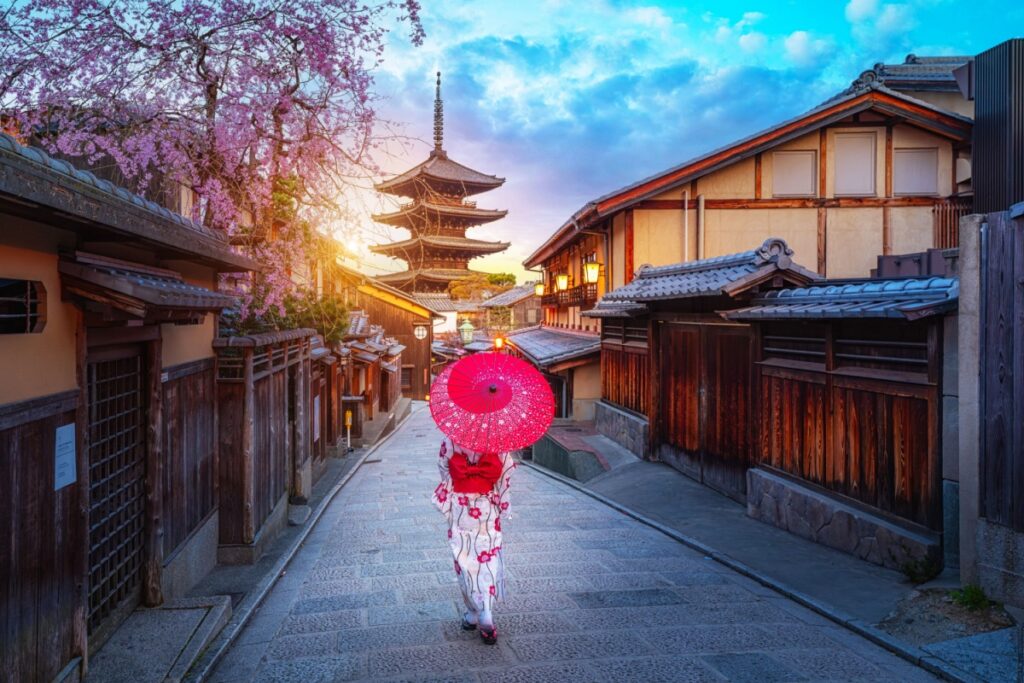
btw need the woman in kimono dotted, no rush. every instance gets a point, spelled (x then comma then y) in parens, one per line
(474, 497)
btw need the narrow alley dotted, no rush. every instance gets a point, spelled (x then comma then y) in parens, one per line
(594, 596)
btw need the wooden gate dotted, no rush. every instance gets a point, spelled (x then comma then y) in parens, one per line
(117, 484)
(704, 405)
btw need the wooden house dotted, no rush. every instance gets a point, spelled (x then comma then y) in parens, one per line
(883, 167)
(513, 309)
(569, 361)
(677, 380)
(108, 421)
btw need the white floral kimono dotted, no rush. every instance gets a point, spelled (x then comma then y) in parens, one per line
(474, 531)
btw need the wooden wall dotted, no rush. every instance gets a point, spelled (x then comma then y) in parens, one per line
(854, 407)
(1002, 372)
(189, 450)
(42, 571)
(399, 323)
(625, 364)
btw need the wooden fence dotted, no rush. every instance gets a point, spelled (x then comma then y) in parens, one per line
(189, 450)
(1002, 371)
(854, 407)
(262, 401)
(946, 215)
(626, 364)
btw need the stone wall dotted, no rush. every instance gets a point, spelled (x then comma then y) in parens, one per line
(822, 518)
(578, 465)
(626, 429)
(1000, 562)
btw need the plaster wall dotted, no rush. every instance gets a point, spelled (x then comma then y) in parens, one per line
(33, 365)
(911, 229)
(803, 143)
(950, 101)
(728, 231)
(854, 240)
(618, 250)
(732, 182)
(586, 390)
(657, 237)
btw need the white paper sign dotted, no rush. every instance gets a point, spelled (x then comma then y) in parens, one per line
(64, 471)
(316, 418)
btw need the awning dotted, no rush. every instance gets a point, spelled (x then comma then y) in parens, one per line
(395, 349)
(138, 291)
(364, 357)
(548, 347)
(390, 367)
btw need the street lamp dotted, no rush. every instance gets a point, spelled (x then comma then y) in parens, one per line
(591, 271)
(538, 289)
(562, 282)
(466, 331)
(499, 343)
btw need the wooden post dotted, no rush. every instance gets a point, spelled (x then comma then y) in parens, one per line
(886, 230)
(629, 267)
(300, 451)
(653, 405)
(822, 162)
(292, 374)
(152, 590)
(886, 218)
(80, 626)
(757, 176)
(248, 439)
(822, 239)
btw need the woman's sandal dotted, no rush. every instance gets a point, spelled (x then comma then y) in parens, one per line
(489, 636)
(467, 625)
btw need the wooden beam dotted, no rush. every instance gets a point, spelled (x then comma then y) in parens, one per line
(886, 231)
(888, 161)
(629, 247)
(248, 443)
(822, 235)
(654, 387)
(80, 611)
(822, 160)
(757, 176)
(152, 588)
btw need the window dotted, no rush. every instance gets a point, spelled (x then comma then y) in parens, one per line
(22, 306)
(406, 376)
(915, 171)
(855, 164)
(794, 174)
(531, 316)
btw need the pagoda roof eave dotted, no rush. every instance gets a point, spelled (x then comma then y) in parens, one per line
(435, 243)
(432, 274)
(423, 211)
(439, 169)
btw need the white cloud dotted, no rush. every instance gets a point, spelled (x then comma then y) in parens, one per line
(752, 42)
(895, 19)
(749, 19)
(859, 10)
(804, 50)
(649, 16)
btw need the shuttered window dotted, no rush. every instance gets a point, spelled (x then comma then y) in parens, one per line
(855, 165)
(915, 171)
(794, 173)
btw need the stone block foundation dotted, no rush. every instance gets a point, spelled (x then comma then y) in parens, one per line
(626, 429)
(818, 516)
(1001, 562)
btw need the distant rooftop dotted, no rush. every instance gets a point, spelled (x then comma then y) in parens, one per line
(933, 74)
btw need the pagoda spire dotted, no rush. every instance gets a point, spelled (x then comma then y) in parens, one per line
(438, 118)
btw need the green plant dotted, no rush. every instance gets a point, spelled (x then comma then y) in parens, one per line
(326, 313)
(971, 597)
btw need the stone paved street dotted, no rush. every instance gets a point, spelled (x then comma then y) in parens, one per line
(594, 596)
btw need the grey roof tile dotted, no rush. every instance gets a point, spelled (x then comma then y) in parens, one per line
(546, 346)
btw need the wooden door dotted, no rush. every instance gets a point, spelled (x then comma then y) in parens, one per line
(117, 484)
(705, 421)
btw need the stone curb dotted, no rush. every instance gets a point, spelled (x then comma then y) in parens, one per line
(205, 666)
(910, 653)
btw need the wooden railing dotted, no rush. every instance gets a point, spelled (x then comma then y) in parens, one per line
(580, 295)
(946, 217)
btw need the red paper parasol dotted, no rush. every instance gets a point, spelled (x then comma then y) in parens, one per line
(492, 403)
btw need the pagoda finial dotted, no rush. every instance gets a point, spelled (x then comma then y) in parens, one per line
(438, 117)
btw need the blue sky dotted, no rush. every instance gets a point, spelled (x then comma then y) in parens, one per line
(569, 100)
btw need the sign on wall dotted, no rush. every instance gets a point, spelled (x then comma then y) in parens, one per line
(64, 470)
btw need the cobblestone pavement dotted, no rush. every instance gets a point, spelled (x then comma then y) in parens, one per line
(594, 596)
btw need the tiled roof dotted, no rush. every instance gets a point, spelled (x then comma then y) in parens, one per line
(445, 304)
(435, 274)
(420, 211)
(933, 74)
(358, 324)
(706, 277)
(162, 292)
(512, 296)
(152, 221)
(615, 309)
(442, 242)
(439, 167)
(546, 346)
(478, 346)
(910, 298)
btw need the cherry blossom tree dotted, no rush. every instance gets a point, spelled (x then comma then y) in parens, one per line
(262, 109)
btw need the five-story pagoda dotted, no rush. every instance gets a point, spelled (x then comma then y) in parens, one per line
(438, 216)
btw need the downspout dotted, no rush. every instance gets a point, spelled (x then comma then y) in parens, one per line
(700, 226)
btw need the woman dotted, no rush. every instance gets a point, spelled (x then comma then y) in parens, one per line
(474, 496)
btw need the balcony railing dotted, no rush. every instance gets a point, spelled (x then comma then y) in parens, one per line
(580, 295)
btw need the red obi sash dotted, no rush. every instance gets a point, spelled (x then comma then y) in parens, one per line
(474, 478)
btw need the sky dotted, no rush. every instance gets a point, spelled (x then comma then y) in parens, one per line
(569, 100)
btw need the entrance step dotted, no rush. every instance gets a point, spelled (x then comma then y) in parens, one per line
(160, 645)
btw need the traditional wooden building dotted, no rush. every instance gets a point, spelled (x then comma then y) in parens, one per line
(438, 216)
(568, 360)
(882, 168)
(513, 309)
(108, 421)
(676, 380)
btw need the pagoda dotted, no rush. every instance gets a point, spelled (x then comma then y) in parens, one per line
(437, 217)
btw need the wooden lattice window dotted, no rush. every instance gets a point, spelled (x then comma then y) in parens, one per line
(407, 376)
(22, 306)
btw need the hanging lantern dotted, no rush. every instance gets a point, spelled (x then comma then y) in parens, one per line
(591, 271)
(562, 282)
(499, 343)
(538, 289)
